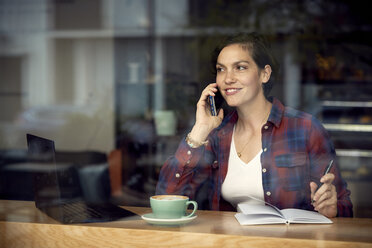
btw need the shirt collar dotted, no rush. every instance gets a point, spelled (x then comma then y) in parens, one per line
(228, 123)
(277, 111)
(275, 117)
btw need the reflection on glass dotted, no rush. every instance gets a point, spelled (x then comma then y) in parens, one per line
(92, 74)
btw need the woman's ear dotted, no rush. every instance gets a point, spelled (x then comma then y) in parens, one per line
(266, 73)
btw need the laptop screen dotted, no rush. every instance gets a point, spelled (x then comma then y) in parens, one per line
(58, 191)
(53, 182)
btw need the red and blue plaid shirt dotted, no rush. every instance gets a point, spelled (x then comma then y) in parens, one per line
(296, 150)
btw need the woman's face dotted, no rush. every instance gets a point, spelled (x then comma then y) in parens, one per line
(238, 77)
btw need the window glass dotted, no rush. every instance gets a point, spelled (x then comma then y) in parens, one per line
(122, 79)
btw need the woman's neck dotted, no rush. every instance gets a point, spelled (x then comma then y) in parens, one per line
(252, 117)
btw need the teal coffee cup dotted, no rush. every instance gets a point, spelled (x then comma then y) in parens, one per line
(171, 206)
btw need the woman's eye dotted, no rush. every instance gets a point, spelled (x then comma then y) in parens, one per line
(219, 69)
(240, 68)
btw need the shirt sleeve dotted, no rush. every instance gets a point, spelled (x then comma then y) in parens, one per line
(321, 153)
(186, 171)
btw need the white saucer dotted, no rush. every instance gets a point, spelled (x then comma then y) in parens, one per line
(151, 219)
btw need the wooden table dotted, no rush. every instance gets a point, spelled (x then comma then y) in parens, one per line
(22, 225)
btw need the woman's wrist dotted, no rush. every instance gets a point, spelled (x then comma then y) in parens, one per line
(193, 143)
(198, 136)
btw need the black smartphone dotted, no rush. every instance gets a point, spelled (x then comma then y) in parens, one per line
(215, 103)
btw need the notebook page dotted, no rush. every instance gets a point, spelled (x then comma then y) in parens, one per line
(265, 204)
(249, 209)
(304, 216)
(259, 219)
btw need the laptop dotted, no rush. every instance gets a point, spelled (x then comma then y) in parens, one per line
(57, 189)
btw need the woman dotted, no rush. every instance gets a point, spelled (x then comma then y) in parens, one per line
(260, 151)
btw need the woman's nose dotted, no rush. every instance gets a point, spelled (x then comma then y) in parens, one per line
(230, 77)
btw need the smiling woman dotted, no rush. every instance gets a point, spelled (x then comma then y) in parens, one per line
(260, 150)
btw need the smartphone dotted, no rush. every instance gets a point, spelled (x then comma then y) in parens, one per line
(215, 103)
(212, 105)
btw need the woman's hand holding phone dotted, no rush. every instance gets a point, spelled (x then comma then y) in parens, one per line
(205, 122)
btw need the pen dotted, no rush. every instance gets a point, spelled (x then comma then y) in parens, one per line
(328, 167)
(326, 171)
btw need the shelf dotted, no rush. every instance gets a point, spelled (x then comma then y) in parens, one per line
(357, 104)
(348, 127)
(354, 153)
(130, 32)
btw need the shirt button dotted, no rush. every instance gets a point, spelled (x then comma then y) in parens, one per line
(264, 170)
(268, 193)
(265, 149)
(266, 127)
(178, 175)
(188, 152)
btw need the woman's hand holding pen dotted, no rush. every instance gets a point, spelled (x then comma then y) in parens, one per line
(325, 198)
(205, 122)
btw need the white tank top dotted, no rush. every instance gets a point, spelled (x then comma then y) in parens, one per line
(243, 181)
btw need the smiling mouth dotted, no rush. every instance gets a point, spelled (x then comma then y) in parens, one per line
(231, 91)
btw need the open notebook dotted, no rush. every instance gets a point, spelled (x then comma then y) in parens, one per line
(251, 214)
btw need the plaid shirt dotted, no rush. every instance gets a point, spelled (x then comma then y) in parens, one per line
(296, 150)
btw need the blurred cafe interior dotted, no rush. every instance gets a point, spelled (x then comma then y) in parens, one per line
(115, 82)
